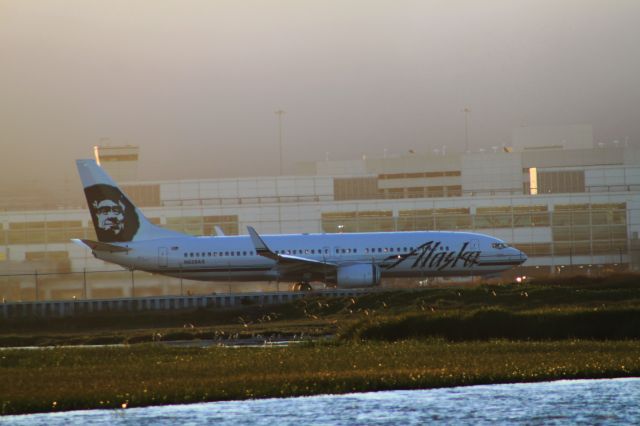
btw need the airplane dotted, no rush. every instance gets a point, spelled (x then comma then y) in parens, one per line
(344, 260)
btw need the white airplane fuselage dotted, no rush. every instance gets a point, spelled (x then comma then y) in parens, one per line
(396, 254)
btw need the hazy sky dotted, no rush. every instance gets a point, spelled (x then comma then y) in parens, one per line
(195, 83)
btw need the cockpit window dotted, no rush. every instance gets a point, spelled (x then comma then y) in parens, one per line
(500, 246)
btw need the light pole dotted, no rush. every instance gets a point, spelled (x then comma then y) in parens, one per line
(466, 111)
(279, 113)
(620, 251)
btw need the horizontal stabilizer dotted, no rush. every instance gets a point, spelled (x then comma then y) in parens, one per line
(98, 246)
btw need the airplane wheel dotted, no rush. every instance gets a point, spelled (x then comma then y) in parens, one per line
(301, 287)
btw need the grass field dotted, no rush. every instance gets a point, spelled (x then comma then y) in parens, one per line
(575, 307)
(555, 329)
(78, 378)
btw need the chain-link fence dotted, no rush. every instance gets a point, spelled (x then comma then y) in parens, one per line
(107, 284)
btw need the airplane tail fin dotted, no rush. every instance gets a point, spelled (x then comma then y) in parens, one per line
(115, 217)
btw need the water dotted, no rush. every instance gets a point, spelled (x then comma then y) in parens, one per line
(615, 401)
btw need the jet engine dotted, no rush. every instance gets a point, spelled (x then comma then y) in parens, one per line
(358, 275)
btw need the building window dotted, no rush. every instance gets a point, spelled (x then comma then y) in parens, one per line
(558, 182)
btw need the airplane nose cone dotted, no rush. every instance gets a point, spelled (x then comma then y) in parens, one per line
(523, 257)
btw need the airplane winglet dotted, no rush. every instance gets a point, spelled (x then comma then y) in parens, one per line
(219, 231)
(261, 247)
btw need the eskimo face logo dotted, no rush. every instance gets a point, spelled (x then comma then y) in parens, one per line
(113, 215)
(110, 215)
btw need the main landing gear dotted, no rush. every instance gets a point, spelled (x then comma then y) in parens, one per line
(301, 287)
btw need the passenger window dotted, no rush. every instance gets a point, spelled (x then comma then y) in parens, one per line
(244, 253)
(391, 249)
(186, 255)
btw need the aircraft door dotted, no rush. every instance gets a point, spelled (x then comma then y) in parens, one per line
(337, 253)
(474, 245)
(326, 253)
(163, 257)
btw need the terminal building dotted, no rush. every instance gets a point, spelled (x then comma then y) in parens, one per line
(571, 204)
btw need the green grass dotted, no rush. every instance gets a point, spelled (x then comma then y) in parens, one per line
(75, 378)
(390, 340)
(609, 324)
(555, 303)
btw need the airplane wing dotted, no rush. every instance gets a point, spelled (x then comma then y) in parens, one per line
(288, 264)
(98, 246)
